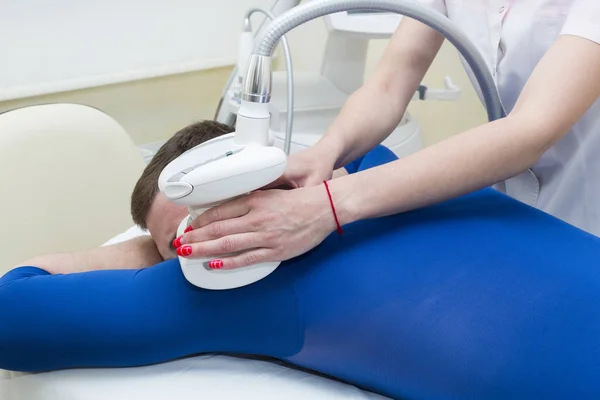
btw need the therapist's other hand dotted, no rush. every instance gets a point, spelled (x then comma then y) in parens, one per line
(265, 226)
(308, 167)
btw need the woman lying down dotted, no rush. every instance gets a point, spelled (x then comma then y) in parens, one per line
(479, 297)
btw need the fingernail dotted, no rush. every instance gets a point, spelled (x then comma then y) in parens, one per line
(215, 264)
(177, 242)
(189, 228)
(184, 251)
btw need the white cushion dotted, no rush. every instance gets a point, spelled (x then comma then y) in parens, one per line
(203, 377)
(66, 176)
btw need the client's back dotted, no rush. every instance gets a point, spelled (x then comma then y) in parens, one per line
(481, 297)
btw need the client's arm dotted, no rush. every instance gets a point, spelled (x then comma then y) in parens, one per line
(136, 253)
(125, 318)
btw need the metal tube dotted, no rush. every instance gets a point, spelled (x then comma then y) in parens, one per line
(290, 77)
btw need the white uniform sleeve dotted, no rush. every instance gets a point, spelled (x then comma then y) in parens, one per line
(583, 20)
(438, 5)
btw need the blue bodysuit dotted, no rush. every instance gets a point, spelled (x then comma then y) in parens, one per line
(480, 297)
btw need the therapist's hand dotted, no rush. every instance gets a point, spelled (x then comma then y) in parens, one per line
(308, 167)
(269, 225)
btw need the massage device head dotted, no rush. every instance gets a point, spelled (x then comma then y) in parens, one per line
(219, 170)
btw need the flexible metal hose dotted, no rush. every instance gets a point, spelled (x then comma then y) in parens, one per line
(234, 71)
(290, 81)
(303, 13)
(230, 80)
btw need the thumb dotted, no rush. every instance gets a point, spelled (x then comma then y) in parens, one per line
(283, 182)
(313, 181)
(316, 179)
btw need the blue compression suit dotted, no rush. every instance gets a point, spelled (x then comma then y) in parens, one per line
(480, 297)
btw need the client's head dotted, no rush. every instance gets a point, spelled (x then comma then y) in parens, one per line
(149, 208)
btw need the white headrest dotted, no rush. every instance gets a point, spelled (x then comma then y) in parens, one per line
(66, 176)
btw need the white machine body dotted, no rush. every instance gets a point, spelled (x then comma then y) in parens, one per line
(218, 170)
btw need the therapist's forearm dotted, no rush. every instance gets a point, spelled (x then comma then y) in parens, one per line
(558, 93)
(368, 116)
(467, 162)
(373, 111)
(136, 253)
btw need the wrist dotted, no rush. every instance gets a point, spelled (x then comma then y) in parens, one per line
(330, 148)
(343, 200)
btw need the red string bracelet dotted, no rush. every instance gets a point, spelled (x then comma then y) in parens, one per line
(339, 228)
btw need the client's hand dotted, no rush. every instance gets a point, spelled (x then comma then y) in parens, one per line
(270, 225)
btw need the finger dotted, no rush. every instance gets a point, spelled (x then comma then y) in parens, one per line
(283, 183)
(219, 229)
(246, 259)
(231, 209)
(223, 246)
(313, 181)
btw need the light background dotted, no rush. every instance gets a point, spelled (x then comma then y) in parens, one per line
(157, 68)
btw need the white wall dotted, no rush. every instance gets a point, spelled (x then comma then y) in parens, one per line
(153, 109)
(64, 45)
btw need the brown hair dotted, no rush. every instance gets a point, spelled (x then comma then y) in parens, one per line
(146, 187)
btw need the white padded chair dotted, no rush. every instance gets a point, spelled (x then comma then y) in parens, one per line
(66, 176)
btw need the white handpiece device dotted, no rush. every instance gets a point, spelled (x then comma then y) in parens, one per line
(216, 171)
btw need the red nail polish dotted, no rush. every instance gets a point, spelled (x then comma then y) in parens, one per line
(215, 264)
(189, 228)
(177, 242)
(184, 251)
